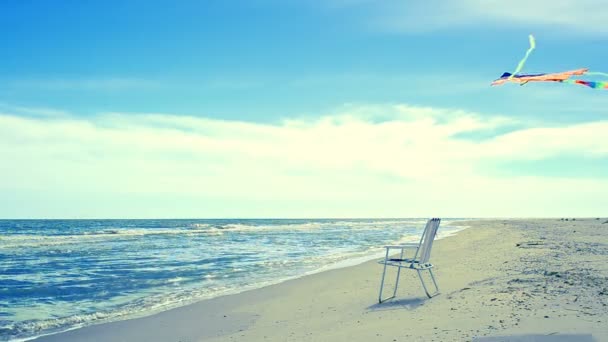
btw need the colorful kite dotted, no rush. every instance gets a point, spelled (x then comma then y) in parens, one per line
(562, 77)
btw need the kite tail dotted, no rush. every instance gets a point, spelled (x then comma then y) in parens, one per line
(523, 61)
(590, 84)
(592, 73)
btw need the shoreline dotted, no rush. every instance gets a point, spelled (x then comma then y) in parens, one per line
(341, 304)
(353, 260)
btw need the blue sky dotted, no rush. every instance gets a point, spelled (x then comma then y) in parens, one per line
(267, 108)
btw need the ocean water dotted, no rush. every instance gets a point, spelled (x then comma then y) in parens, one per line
(57, 275)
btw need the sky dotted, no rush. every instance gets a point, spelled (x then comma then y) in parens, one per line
(299, 109)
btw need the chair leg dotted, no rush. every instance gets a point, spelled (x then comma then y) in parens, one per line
(397, 281)
(398, 274)
(382, 285)
(424, 285)
(380, 300)
(434, 281)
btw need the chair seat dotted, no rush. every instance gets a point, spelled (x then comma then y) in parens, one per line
(406, 263)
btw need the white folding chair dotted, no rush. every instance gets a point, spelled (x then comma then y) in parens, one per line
(419, 262)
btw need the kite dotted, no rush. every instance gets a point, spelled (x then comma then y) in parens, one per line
(562, 77)
(553, 77)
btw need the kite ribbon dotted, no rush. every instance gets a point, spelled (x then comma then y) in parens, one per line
(591, 73)
(590, 84)
(523, 61)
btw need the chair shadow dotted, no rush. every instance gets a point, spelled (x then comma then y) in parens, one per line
(398, 304)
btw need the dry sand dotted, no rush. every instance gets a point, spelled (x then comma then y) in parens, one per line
(533, 280)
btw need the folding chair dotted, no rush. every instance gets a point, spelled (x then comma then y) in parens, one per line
(419, 262)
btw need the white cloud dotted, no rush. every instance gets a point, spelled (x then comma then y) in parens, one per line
(33, 111)
(582, 16)
(387, 160)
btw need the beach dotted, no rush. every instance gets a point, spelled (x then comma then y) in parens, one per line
(497, 278)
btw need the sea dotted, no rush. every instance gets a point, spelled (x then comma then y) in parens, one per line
(58, 275)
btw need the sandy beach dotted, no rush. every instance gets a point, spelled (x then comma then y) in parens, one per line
(533, 280)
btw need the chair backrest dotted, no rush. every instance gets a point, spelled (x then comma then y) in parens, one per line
(426, 240)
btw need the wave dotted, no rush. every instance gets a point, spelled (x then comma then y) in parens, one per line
(36, 240)
(11, 241)
(315, 225)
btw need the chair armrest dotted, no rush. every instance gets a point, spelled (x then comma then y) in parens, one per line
(402, 246)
